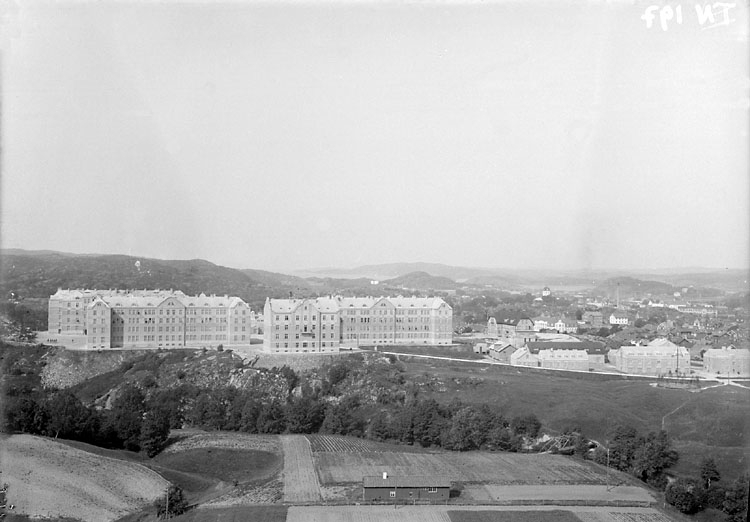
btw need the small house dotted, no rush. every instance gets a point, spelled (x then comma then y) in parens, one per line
(406, 488)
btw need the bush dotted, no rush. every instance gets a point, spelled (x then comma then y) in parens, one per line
(684, 495)
(171, 504)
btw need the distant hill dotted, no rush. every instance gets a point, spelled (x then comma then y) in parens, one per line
(393, 270)
(421, 281)
(630, 287)
(40, 274)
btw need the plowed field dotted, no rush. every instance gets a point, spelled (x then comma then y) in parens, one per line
(486, 467)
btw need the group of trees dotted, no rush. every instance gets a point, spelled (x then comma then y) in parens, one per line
(133, 423)
(693, 494)
(646, 458)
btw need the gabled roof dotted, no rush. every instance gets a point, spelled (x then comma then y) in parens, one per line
(409, 481)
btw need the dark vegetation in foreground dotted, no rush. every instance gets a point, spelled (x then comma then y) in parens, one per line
(363, 395)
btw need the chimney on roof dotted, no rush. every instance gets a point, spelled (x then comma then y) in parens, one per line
(385, 475)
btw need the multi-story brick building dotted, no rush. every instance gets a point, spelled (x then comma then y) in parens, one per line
(149, 318)
(330, 323)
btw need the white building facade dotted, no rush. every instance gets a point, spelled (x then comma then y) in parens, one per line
(149, 319)
(330, 323)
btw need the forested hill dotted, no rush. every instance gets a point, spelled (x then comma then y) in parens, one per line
(40, 274)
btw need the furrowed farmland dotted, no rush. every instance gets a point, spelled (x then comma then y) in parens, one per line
(345, 466)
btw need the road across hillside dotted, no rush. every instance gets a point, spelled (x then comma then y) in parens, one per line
(300, 480)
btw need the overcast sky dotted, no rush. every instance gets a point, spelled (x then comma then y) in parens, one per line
(310, 134)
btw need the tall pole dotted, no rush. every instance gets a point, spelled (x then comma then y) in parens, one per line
(607, 465)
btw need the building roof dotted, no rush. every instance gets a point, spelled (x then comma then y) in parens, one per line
(726, 353)
(512, 320)
(336, 303)
(562, 354)
(407, 481)
(591, 347)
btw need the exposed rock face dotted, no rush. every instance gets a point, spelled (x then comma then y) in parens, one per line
(67, 368)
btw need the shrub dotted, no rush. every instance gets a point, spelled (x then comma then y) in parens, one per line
(683, 494)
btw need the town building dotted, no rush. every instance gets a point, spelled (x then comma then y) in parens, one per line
(593, 319)
(516, 330)
(406, 488)
(566, 325)
(327, 324)
(566, 359)
(727, 361)
(619, 318)
(501, 352)
(551, 354)
(104, 319)
(659, 357)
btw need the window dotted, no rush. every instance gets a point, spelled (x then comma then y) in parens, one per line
(431, 490)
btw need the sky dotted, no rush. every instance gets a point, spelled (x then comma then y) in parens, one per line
(301, 134)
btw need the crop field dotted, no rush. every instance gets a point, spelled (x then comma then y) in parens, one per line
(340, 444)
(197, 439)
(558, 493)
(512, 516)
(484, 467)
(300, 480)
(366, 514)
(235, 514)
(228, 465)
(471, 514)
(50, 479)
(622, 516)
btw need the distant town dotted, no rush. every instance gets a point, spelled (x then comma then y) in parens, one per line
(670, 336)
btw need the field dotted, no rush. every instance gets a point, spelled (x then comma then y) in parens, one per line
(730, 460)
(339, 444)
(718, 417)
(47, 478)
(223, 468)
(512, 516)
(471, 514)
(565, 494)
(471, 467)
(235, 514)
(300, 481)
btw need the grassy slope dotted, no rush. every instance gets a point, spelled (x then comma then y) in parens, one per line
(718, 418)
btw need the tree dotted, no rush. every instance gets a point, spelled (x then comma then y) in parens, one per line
(709, 472)
(682, 494)
(304, 415)
(735, 502)
(527, 426)
(271, 418)
(173, 503)
(127, 416)
(154, 432)
(68, 418)
(623, 445)
(653, 457)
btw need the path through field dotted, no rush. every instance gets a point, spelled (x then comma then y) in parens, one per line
(441, 513)
(300, 480)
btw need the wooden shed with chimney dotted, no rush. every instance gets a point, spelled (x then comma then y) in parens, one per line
(406, 488)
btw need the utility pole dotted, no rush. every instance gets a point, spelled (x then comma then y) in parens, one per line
(607, 465)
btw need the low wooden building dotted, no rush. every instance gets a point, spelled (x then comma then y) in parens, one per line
(406, 488)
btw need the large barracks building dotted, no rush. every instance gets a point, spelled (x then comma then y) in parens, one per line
(149, 319)
(326, 324)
